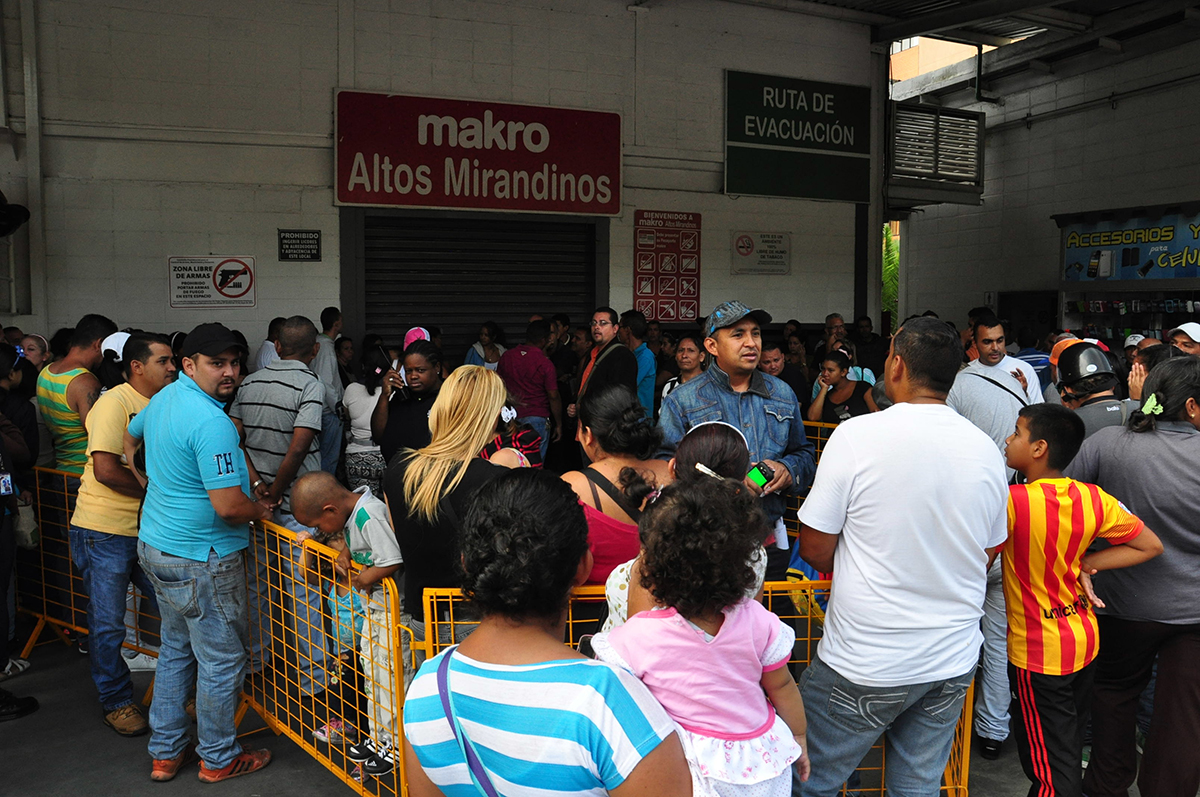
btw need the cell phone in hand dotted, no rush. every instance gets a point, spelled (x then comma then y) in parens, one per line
(761, 474)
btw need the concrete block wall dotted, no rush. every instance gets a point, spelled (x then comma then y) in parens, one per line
(822, 278)
(201, 128)
(1142, 152)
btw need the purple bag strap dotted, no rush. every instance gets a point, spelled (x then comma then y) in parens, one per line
(478, 773)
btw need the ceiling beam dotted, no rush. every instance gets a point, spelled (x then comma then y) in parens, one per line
(956, 17)
(1046, 47)
(1107, 27)
(971, 37)
(1057, 19)
(817, 10)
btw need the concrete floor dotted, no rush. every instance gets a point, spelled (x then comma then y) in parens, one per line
(65, 749)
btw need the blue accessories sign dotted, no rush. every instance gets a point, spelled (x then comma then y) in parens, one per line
(1135, 249)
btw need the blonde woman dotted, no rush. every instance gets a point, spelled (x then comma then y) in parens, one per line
(429, 489)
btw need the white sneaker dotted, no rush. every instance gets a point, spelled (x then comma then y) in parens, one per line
(141, 662)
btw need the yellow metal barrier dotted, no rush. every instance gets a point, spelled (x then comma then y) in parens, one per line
(446, 614)
(349, 642)
(49, 588)
(364, 679)
(817, 434)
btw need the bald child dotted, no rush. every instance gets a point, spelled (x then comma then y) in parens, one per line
(362, 521)
(359, 518)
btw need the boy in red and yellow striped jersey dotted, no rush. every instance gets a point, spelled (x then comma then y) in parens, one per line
(1052, 634)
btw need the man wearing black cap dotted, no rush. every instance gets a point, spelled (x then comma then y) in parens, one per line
(761, 406)
(191, 540)
(278, 414)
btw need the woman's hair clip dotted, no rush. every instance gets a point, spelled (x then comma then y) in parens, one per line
(707, 471)
(1152, 406)
(508, 414)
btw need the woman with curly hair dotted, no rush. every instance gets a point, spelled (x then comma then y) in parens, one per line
(1152, 466)
(715, 658)
(511, 710)
(619, 440)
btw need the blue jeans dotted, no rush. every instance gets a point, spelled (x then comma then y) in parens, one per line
(845, 720)
(204, 638)
(331, 441)
(304, 605)
(992, 716)
(108, 563)
(542, 427)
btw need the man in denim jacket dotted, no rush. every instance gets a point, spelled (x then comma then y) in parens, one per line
(762, 406)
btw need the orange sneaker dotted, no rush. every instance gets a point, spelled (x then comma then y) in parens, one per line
(164, 769)
(249, 761)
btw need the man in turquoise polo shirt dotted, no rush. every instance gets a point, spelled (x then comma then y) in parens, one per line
(193, 533)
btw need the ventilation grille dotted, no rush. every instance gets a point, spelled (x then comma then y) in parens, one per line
(937, 144)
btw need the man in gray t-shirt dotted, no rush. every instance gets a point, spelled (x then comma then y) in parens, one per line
(1088, 385)
(278, 411)
(989, 395)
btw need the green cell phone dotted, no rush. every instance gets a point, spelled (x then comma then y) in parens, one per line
(761, 474)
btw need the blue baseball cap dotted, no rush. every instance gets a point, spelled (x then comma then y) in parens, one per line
(726, 314)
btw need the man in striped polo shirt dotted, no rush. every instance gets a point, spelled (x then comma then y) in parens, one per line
(67, 389)
(278, 414)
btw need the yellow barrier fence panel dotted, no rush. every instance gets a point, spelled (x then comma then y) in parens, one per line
(48, 585)
(818, 434)
(309, 627)
(798, 604)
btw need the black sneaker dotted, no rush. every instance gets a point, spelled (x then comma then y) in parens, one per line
(13, 707)
(382, 762)
(990, 748)
(80, 640)
(360, 752)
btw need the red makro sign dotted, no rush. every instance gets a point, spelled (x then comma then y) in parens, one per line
(427, 152)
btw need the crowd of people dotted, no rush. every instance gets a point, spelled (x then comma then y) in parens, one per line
(979, 501)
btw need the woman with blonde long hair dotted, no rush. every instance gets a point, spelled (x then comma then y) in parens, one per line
(429, 489)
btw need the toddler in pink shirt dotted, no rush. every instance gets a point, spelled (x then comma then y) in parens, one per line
(715, 659)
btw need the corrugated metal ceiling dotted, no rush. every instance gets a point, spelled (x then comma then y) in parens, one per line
(909, 9)
(1012, 26)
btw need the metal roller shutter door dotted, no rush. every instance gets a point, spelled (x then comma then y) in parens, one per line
(456, 273)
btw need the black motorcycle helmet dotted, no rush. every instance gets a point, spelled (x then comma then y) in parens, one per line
(1085, 369)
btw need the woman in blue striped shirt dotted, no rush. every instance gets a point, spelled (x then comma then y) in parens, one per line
(512, 711)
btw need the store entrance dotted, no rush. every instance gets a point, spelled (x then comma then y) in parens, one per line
(456, 270)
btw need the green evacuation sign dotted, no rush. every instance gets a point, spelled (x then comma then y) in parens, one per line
(797, 138)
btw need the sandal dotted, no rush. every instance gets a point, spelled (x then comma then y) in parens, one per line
(14, 667)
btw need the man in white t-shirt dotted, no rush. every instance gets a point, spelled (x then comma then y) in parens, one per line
(905, 506)
(989, 393)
